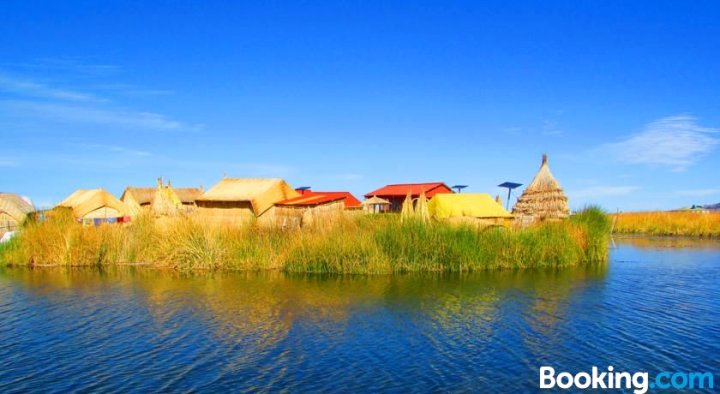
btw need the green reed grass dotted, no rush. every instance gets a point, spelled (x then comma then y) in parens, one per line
(374, 244)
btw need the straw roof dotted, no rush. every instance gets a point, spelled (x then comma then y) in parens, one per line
(544, 197)
(375, 200)
(83, 202)
(261, 193)
(142, 195)
(15, 206)
(188, 195)
(476, 205)
(163, 199)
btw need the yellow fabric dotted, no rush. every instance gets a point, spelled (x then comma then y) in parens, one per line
(479, 205)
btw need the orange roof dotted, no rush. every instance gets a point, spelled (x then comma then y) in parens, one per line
(402, 189)
(310, 198)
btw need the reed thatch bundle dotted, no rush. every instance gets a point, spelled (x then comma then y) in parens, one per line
(407, 211)
(421, 208)
(543, 199)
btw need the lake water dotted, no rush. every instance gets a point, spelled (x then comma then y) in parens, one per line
(655, 306)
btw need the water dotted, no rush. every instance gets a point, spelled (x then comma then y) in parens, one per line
(654, 307)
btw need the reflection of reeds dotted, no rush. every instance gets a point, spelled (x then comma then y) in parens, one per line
(366, 245)
(669, 223)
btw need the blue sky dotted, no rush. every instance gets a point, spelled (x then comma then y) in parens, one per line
(623, 96)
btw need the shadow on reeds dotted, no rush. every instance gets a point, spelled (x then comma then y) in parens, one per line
(375, 244)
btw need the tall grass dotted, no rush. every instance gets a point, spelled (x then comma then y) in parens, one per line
(668, 223)
(373, 244)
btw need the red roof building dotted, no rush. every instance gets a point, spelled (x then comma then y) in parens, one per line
(396, 193)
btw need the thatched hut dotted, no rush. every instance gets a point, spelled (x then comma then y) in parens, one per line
(376, 204)
(240, 200)
(313, 208)
(543, 199)
(162, 200)
(94, 206)
(13, 211)
(188, 196)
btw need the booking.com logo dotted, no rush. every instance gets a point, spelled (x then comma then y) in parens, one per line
(639, 381)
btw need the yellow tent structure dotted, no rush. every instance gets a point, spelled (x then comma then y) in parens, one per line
(470, 205)
(241, 199)
(94, 204)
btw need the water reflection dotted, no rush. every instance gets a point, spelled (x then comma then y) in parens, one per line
(659, 242)
(132, 329)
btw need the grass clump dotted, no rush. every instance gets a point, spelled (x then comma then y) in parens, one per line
(375, 244)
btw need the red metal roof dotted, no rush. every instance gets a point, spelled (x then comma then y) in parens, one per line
(311, 198)
(402, 189)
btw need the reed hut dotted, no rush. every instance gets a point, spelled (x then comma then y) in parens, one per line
(188, 196)
(314, 208)
(476, 208)
(241, 200)
(376, 204)
(162, 200)
(397, 193)
(543, 199)
(13, 211)
(95, 206)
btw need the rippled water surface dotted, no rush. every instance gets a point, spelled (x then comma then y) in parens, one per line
(654, 307)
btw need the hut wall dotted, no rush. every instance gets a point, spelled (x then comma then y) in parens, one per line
(7, 223)
(226, 212)
(103, 212)
(299, 216)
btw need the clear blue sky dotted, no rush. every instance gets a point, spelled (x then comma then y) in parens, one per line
(623, 96)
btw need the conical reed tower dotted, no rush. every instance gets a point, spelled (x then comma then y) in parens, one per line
(543, 199)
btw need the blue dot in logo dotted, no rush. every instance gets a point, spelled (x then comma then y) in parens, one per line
(652, 385)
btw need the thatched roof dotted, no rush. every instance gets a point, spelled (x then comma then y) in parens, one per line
(15, 206)
(544, 197)
(142, 195)
(375, 200)
(188, 195)
(149, 195)
(83, 202)
(261, 193)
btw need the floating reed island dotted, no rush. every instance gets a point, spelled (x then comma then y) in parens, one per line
(363, 244)
(265, 224)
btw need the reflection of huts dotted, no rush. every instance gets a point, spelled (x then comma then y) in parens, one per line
(13, 211)
(543, 199)
(94, 204)
(397, 193)
(376, 204)
(163, 200)
(473, 207)
(238, 200)
(313, 207)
